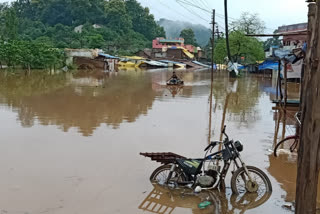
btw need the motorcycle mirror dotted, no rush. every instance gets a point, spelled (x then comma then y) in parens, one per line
(224, 129)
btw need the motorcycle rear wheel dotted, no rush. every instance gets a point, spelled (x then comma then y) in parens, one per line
(160, 175)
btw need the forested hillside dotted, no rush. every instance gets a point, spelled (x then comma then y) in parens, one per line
(174, 28)
(118, 26)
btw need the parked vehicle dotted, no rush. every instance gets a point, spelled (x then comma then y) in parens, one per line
(206, 173)
(290, 142)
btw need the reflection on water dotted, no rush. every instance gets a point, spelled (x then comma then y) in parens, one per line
(86, 100)
(164, 201)
(83, 100)
(284, 167)
(122, 114)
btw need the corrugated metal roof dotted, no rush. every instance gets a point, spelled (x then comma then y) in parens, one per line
(108, 56)
(199, 63)
(134, 57)
(155, 63)
(171, 40)
(168, 61)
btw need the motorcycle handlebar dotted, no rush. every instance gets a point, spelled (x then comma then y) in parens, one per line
(224, 131)
(212, 144)
(207, 147)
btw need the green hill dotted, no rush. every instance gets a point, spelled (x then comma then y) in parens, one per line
(118, 26)
(173, 29)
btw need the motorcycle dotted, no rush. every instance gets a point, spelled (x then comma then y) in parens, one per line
(206, 173)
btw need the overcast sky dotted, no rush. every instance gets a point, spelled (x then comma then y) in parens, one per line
(274, 12)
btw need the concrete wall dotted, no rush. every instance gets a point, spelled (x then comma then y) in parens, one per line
(175, 53)
(87, 63)
(85, 53)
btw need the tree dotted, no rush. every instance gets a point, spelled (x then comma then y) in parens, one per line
(249, 24)
(173, 29)
(25, 9)
(11, 24)
(57, 12)
(123, 26)
(117, 18)
(92, 11)
(243, 49)
(189, 37)
(274, 41)
(142, 21)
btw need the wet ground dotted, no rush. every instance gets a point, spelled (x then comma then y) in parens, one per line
(70, 142)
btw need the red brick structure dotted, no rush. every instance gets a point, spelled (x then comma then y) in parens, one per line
(293, 40)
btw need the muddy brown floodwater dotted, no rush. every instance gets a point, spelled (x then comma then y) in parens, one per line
(70, 143)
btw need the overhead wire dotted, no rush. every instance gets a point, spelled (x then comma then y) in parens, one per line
(205, 3)
(176, 11)
(203, 9)
(185, 3)
(180, 2)
(193, 5)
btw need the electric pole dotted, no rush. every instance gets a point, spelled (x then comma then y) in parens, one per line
(212, 41)
(218, 32)
(212, 66)
(227, 28)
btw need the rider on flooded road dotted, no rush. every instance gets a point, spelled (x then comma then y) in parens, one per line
(174, 80)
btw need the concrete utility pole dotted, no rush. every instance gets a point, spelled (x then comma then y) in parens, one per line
(227, 28)
(309, 148)
(212, 41)
(212, 66)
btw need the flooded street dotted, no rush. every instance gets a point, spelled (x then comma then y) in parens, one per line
(70, 142)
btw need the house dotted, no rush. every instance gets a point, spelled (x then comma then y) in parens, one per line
(296, 35)
(172, 48)
(72, 54)
(162, 43)
(90, 59)
(110, 62)
(145, 53)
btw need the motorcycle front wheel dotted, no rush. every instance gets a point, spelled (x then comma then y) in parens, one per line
(160, 175)
(241, 184)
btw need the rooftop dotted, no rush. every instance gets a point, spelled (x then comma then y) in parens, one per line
(294, 27)
(170, 41)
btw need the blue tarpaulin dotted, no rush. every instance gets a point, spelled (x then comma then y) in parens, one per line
(269, 65)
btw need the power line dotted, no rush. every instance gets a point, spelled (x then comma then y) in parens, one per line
(193, 5)
(182, 15)
(200, 3)
(205, 3)
(192, 12)
(203, 9)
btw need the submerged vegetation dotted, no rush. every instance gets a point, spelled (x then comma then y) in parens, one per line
(30, 54)
(33, 32)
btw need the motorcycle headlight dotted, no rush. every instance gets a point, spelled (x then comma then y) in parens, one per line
(238, 146)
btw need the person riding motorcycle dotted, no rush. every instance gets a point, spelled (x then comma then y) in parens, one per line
(174, 79)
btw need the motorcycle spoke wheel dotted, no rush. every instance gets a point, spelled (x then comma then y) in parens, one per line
(160, 175)
(248, 192)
